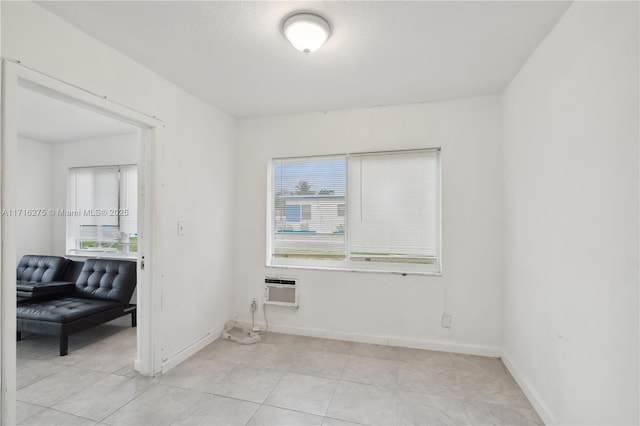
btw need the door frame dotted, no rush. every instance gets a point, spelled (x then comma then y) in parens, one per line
(148, 356)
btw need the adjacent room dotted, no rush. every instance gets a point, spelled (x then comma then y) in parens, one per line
(72, 163)
(322, 213)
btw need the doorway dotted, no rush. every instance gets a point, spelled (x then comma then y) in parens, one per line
(16, 78)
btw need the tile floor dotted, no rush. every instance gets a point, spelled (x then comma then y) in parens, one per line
(284, 380)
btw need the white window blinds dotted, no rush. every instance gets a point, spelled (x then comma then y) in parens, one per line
(95, 188)
(393, 207)
(102, 209)
(129, 199)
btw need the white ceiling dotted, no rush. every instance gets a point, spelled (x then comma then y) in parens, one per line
(50, 120)
(233, 55)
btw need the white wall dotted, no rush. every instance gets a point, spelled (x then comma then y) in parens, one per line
(104, 151)
(381, 307)
(34, 180)
(194, 160)
(571, 244)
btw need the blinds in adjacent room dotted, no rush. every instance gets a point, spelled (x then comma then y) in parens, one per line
(129, 199)
(102, 205)
(94, 188)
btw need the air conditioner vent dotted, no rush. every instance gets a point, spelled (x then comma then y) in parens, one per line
(283, 281)
(281, 291)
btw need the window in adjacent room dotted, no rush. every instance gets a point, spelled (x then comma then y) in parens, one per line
(102, 211)
(364, 211)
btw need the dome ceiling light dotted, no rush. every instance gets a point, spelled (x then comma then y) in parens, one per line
(307, 32)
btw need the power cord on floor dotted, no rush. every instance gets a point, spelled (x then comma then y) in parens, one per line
(254, 308)
(264, 313)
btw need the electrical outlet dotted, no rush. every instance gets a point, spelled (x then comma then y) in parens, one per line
(446, 320)
(254, 305)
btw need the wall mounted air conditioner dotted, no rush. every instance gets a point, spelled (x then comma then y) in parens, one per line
(281, 291)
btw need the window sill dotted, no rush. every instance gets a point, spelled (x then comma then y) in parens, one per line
(366, 271)
(103, 255)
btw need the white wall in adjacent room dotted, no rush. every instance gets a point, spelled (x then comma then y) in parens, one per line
(34, 232)
(193, 158)
(104, 151)
(571, 244)
(387, 308)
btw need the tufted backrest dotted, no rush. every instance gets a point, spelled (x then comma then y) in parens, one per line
(107, 279)
(40, 269)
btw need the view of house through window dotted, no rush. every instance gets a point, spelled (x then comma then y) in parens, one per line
(307, 192)
(102, 210)
(367, 211)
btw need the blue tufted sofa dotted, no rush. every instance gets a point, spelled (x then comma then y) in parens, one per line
(100, 293)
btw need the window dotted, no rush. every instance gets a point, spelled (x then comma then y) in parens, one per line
(305, 212)
(308, 191)
(102, 211)
(292, 213)
(365, 211)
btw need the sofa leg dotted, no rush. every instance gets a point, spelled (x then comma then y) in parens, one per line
(18, 335)
(132, 309)
(64, 344)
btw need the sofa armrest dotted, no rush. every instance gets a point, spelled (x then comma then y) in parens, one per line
(41, 289)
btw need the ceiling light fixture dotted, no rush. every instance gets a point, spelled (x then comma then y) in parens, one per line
(306, 32)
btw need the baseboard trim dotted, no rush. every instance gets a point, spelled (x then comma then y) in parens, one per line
(434, 345)
(181, 356)
(529, 391)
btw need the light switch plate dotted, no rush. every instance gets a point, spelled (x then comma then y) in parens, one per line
(180, 228)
